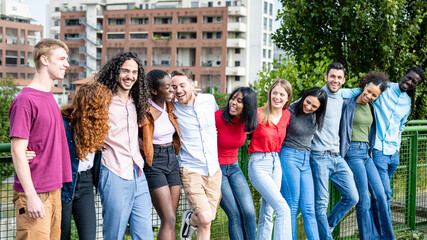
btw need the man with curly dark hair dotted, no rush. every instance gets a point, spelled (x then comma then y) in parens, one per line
(123, 187)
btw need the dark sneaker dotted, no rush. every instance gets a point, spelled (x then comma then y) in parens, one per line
(187, 230)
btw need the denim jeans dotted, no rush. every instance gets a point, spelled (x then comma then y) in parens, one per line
(237, 203)
(82, 208)
(331, 166)
(125, 201)
(367, 179)
(298, 190)
(386, 166)
(265, 174)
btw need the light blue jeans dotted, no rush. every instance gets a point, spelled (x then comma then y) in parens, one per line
(237, 203)
(386, 166)
(367, 180)
(325, 166)
(298, 190)
(265, 174)
(125, 201)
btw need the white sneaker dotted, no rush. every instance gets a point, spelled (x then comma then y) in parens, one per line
(187, 230)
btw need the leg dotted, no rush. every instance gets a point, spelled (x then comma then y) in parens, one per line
(382, 163)
(307, 200)
(245, 204)
(140, 217)
(84, 207)
(116, 208)
(162, 201)
(229, 205)
(66, 220)
(265, 174)
(344, 181)
(321, 165)
(291, 161)
(356, 158)
(383, 220)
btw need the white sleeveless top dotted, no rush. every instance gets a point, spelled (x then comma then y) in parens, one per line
(163, 128)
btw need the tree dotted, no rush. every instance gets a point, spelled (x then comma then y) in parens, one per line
(8, 91)
(389, 36)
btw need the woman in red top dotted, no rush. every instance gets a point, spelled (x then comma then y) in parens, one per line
(233, 123)
(264, 167)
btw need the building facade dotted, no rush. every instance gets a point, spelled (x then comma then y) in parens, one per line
(222, 42)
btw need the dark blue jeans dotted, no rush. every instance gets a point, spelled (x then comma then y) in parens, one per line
(367, 180)
(386, 166)
(298, 190)
(237, 203)
(83, 209)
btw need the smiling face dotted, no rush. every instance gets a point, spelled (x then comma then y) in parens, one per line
(165, 91)
(183, 90)
(236, 105)
(310, 104)
(128, 75)
(369, 94)
(279, 97)
(409, 81)
(57, 63)
(334, 80)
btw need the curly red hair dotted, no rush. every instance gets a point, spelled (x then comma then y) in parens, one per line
(88, 116)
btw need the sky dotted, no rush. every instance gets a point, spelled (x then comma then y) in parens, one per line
(38, 11)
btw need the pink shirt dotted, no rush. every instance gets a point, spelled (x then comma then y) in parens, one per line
(34, 115)
(121, 144)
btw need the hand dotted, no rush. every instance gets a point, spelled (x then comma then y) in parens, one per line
(30, 155)
(35, 207)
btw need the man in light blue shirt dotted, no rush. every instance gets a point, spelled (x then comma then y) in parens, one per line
(392, 109)
(198, 160)
(326, 162)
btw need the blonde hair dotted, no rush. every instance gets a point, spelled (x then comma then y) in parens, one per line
(265, 115)
(45, 47)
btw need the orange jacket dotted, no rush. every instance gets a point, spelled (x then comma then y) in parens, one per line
(146, 132)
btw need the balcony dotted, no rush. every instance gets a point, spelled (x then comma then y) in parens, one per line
(236, 27)
(236, 43)
(237, 11)
(235, 71)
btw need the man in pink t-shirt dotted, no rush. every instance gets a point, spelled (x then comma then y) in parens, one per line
(36, 125)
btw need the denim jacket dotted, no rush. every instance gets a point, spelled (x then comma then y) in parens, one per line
(346, 125)
(67, 193)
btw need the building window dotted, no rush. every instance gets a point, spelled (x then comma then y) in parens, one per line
(57, 9)
(56, 23)
(265, 23)
(71, 22)
(14, 9)
(269, 53)
(194, 4)
(71, 36)
(163, 20)
(265, 7)
(56, 36)
(115, 36)
(138, 21)
(138, 36)
(237, 63)
(263, 53)
(228, 3)
(271, 9)
(269, 40)
(237, 50)
(219, 35)
(116, 21)
(147, 6)
(22, 76)
(270, 24)
(264, 39)
(236, 78)
(210, 4)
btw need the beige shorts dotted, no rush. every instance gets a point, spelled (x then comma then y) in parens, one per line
(48, 227)
(203, 192)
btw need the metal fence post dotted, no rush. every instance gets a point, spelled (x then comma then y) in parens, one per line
(412, 188)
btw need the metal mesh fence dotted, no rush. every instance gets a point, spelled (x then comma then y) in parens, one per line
(408, 204)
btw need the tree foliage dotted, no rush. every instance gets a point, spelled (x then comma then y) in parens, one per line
(384, 35)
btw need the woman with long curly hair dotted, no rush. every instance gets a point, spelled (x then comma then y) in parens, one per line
(86, 125)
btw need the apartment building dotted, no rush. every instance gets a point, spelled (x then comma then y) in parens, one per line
(218, 40)
(17, 39)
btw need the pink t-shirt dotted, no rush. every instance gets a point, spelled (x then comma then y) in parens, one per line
(230, 138)
(35, 116)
